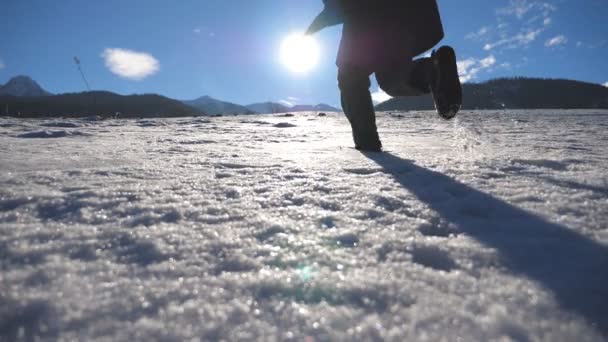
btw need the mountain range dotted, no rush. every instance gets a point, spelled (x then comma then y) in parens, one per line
(23, 96)
(321, 107)
(102, 103)
(211, 106)
(268, 107)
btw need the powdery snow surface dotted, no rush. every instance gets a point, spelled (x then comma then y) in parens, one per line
(493, 226)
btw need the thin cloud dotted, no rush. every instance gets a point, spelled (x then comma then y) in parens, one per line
(469, 69)
(479, 34)
(519, 40)
(595, 45)
(2, 65)
(521, 8)
(380, 96)
(290, 101)
(287, 103)
(487, 62)
(517, 8)
(556, 41)
(519, 24)
(130, 64)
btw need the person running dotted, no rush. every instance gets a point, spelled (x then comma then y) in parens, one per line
(383, 37)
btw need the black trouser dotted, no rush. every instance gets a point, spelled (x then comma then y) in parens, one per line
(408, 79)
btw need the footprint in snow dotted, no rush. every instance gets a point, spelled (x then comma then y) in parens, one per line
(363, 171)
(346, 240)
(433, 257)
(269, 233)
(284, 125)
(50, 134)
(434, 230)
(542, 163)
(60, 124)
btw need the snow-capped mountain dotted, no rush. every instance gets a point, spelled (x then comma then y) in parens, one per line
(211, 106)
(268, 108)
(23, 86)
(273, 107)
(317, 108)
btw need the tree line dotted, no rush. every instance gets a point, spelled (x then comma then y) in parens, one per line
(517, 93)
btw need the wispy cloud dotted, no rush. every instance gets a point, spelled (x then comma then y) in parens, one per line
(2, 65)
(479, 34)
(594, 45)
(130, 64)
(286, 103)
(519, 24)
(522, 8)
(290, 101)
(469, 69)
(380, 96)
(519, 40)
(556, 41)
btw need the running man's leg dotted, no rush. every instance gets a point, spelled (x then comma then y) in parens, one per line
(406, 79)
(437, 75)
(358, 107)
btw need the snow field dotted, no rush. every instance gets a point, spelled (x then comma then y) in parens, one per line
(489, 227)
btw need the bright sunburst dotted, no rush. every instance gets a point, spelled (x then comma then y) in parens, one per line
(299, 53)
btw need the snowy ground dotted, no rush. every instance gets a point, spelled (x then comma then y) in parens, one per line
(490, 227)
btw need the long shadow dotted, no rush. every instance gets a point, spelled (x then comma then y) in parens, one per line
(570, 265)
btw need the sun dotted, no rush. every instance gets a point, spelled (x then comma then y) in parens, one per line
(300, 53)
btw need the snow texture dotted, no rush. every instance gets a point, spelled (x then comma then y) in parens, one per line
(493, 226)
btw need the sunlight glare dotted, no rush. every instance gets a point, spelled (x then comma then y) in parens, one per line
(300, 53)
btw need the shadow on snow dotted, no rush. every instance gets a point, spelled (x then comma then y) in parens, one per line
(573, 267)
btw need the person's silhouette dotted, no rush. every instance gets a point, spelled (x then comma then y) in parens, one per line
(383, 37)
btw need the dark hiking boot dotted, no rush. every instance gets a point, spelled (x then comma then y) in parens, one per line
(369, 148)
(445, 83)
(368, 141)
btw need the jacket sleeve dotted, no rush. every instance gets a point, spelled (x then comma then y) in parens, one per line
(331, 15)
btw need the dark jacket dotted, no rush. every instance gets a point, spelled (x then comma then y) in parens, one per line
(378, 33)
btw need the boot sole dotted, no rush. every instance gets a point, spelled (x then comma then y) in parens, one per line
(449, 83)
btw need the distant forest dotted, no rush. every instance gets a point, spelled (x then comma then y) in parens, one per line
(516, 93)
(100, 103)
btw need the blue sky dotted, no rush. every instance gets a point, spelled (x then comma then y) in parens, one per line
(229, 49)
